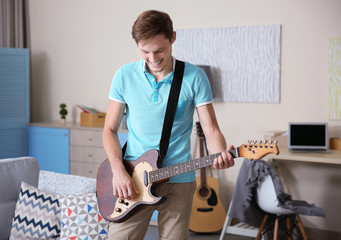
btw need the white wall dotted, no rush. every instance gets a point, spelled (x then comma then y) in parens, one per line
(78, 45)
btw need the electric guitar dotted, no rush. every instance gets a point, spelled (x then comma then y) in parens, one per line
(145, 173)
(208, 213)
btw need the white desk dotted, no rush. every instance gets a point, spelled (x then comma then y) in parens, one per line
(326, 158)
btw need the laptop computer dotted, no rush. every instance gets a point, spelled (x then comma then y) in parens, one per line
(308, 137)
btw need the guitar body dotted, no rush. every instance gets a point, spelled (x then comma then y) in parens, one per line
(208, 214)
(117, 210)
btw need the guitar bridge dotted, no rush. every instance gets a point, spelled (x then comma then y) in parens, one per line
(204, 209)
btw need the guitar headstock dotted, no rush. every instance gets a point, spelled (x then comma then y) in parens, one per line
(255, 150)
(200, 132)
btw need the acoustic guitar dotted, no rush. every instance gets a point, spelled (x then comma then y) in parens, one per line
(208, 213)
(146, 174)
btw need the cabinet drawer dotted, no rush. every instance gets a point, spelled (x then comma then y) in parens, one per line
(87, 154)
(86, 138)
(84, 169)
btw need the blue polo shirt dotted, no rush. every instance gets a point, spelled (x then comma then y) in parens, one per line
(146, 103)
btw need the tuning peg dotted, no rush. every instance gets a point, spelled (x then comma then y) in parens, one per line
(275, 142)
(249, 141)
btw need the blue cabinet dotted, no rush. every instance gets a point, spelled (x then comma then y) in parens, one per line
(51, 147)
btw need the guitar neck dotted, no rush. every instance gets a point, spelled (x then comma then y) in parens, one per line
(181, 168)
(202, 154)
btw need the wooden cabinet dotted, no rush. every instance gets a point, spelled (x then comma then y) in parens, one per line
(86, 151)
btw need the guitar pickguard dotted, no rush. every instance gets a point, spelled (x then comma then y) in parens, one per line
(122, 206)
(213, 199)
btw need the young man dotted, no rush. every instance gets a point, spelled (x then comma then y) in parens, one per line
(142, 89)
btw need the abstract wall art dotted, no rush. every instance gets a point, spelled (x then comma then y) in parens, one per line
(244, 61)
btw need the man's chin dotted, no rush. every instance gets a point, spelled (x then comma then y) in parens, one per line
(156, 69)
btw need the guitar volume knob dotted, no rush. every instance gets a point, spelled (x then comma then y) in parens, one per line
(118, 210)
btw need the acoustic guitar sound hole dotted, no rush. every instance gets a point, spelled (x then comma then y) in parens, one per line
(204, 192)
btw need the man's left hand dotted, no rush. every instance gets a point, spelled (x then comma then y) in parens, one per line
(225, 160)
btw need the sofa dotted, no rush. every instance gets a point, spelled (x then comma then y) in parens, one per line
(38, 204)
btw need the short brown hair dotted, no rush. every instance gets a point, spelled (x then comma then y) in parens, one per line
(151, 23)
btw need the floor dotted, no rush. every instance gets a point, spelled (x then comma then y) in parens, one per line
(152, 234)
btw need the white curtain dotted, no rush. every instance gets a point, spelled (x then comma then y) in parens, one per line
(14, 24)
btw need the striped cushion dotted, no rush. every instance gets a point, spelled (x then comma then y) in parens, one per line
(37, 214)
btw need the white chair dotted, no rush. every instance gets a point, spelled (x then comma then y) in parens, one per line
(258, 199)
(267, 200)
(274, 202)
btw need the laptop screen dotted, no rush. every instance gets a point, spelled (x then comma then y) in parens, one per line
(308, 136)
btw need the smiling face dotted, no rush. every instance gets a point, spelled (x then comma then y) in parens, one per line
(157, 52)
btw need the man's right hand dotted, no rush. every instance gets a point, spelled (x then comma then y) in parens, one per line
(123, 185)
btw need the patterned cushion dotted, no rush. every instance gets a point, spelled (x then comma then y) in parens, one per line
(63, 184)
(80, 218)
(36, 214)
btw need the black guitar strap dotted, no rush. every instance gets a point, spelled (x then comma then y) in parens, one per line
(170, 111)
(171, 108)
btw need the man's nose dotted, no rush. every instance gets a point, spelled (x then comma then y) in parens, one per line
(153, 57)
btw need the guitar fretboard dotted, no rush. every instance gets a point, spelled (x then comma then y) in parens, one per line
(181, 168)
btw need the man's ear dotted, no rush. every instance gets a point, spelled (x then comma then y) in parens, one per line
(173, 37)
